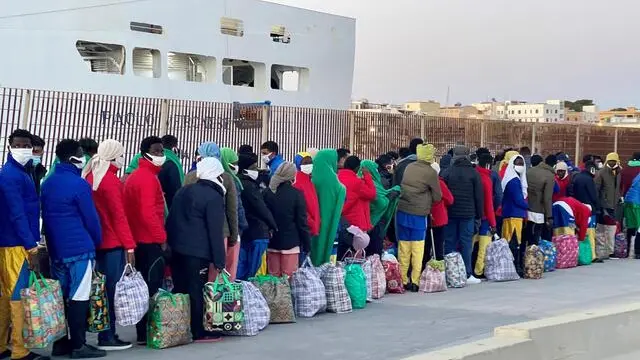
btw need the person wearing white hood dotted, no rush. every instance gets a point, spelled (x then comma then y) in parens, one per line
(514, 206)
(195, 236)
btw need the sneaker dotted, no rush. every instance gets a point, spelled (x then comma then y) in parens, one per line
(61, 347)
(34, 356)
(5, 354)
(87, 352)
(598, 261)
(141, 341)
(637, 256)
(408, 287)
(472, 280)
(414, 288)
(114, 345)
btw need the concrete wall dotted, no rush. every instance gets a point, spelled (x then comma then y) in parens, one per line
(589, 335)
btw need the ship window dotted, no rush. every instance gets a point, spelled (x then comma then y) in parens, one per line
(280, 34)
(146, 62)
(289, 78)
(144, 27)
(102, 58)
(243, 73)
(191, 67)
(229, 26)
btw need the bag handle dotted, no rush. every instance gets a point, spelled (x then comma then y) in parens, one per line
(224, 275)
(35, 279)
(125, 272)
(433, 244)
(306, 263)
(347, 253)
(162, 293)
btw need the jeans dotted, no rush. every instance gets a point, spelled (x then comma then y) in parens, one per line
(458, 233)
(110, 263)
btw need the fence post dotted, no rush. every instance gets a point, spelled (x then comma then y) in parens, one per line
(483, 126)
(615, 141)
(352, 131)
(533, 139)
(164, 117)
(423, 127)
(26, 110)
(577, 160)
(266, 114)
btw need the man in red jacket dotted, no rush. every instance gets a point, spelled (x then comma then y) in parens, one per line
(360, 193)
(101, 173)
(488, 224)
(439, 218)
(144, 206)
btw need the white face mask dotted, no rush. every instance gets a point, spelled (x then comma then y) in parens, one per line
(22, 156)
(600, 165)
(157, 160)
(253, 174)
(119, 162)
(267, 158)
(519, 169)
(612, 167)
(234, 168)
(81, 161)
(306, 169)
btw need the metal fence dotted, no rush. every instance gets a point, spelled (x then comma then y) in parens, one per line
(57, 115)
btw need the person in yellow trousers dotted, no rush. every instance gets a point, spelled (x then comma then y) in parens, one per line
(514, 207)
(420, 189)
(19, 235)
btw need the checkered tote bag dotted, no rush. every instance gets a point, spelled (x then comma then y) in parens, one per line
(499, 262)
(131, 300)
(378, 277)
(256, 311)
(338, 300)
(309, 296)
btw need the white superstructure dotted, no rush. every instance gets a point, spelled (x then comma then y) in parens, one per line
(206, 50)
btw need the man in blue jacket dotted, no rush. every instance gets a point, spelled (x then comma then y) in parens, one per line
(19, 236)
(271, 156)
(73, 233)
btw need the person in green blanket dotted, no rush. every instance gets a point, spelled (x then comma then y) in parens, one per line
(172, 174)
(331, 197)
(382, 208)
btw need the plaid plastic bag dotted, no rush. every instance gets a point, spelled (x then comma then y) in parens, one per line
(256, 311)
(378, 278)
(455, 272)
(223, 308)
(169, 320)
(368, 274)
(309, 294)
(567, 246)
(277, 292)
(338, 300)
(43, 306)
(550, 255)
(433, 279)
(98, 319)
(131, 300)
(499, 264)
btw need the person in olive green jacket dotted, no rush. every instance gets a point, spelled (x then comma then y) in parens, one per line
(608, 187)
(540, 181)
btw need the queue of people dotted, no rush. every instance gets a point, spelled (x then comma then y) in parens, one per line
(226, 214)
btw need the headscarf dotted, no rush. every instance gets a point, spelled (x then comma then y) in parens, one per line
(209, 149)
(169, 154)
(381, 207)
(100, 163)
(331, 195)
(507, 157)
(229, 156)
(561, 165)
(426, 152)
(510, 174)
(613, 157)
(299, 157)
(210, 169)
(436, 167)
(286, 172)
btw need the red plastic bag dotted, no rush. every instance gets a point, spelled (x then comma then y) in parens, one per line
(394, 279)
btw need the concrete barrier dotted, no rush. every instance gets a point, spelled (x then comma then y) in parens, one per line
(588, 335)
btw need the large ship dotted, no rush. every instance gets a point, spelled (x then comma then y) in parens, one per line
(205, 50)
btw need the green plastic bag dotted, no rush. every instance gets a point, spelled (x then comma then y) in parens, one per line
(585, 255)
(169, 321)
(356, 284)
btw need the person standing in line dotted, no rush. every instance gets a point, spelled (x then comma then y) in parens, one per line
(406, 160)
(583, 189)
(255, 240)
(465, 215)
(73, 231)
(386, 167)
(270, 152)
(195, 236)
(525, 152)
(304, 164)
(515, 206)
(631, 205)
(38, 170)
(19, 236)
(420, 190)
(488, 225)
(343, 154)
(331, 196)
(541, 182)
(288, 207)
(439, 219)
(145, 208)
(171, 175)
(608, 187)
(117, 248)
(495, 180)
(563, 180)
(356, 211)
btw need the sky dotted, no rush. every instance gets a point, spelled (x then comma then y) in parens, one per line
(530, 50)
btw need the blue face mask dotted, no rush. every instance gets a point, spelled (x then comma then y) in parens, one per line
(36, 160)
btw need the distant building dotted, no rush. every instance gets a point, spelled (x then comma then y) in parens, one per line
(550, 111)
(366, 106)
(489, 109)
(423, 107)
(630, 113)
(591, 113)
(466, 112)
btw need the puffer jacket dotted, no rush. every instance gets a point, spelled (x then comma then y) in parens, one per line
(19, 206)
(420, 189)
(608, 187)
(465, 185)
(633, 193)
(360, 193)
(627, 176)
(259, 217)
(289, 210)
(541, 181)
(72, 224)
(144, 204)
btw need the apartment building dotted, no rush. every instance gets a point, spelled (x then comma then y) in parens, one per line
(550, 111)
(423, 107)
